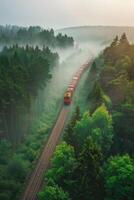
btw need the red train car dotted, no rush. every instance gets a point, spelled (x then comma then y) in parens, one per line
(67, 98)
(69, 93)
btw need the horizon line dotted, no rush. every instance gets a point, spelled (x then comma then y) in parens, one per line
(68, 27)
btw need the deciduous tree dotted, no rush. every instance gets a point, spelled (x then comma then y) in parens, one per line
(119, 178)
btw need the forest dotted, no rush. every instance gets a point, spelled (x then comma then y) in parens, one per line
(25, 69)
(95, 158)
(33, 35)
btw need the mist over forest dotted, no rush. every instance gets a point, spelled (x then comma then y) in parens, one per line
(96, 146)
(69, 57)
(99, 34)
(36, 67)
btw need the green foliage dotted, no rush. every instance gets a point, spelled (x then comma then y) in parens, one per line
(89, 171)
(68, 172)
(22, 158)
(108, 130)
(33, 35)
(115, 88)
(124, 128)
(102, 129)
(124, 40)
(63, 164)
(64, 41)
(130, 93)
(97, 97)
(9, 189)
(69, 135)
(96, 93)
(117, 50)
(107, 101)
(53, 193)
(12, 174)
(5, 151)
(119, 178)
(98, 126)
(82, 128)
(23, 71)
(4, 196)
(120, 59)
(115, 42)
(18, 168)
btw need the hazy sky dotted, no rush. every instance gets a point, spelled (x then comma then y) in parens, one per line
(63, 13)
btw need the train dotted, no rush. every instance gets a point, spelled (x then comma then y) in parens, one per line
(72, 86)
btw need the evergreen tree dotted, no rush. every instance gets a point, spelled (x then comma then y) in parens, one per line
(89, 172)
(82, 130)
(115, 41)
(124, 40)
(69, 135)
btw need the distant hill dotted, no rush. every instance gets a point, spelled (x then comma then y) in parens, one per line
(104, 34)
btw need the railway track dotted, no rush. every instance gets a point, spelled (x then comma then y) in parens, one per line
(44, 161)
(36, 179)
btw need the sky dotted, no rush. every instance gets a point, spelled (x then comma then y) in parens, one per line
(66, 13)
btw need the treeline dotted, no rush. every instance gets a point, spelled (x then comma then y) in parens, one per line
(33, 35)
(96, 159)
(23, 71)
(115, 87)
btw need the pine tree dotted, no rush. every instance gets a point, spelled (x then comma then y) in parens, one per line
(69, 136)
(115, 42)
(89, 169)
(123, 39)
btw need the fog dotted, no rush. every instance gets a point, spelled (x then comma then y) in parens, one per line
(70, 62)
(45, 107)
(50, 99)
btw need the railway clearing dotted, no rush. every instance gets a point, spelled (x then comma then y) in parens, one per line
(36, 179)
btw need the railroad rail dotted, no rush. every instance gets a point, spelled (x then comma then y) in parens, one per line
(36, 179)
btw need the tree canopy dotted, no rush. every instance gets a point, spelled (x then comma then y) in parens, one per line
(103, 139)
(63, 164)
(23, 71)
(33, 35)
(119, 178)
(53, 193)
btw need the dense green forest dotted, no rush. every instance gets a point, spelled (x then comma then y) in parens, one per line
(33, 35)
(23, 71)
(96, 158)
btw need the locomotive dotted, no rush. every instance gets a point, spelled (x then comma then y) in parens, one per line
(71, 88)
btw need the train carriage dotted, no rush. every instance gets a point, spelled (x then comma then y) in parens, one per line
(67, 97)
(69, 93)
